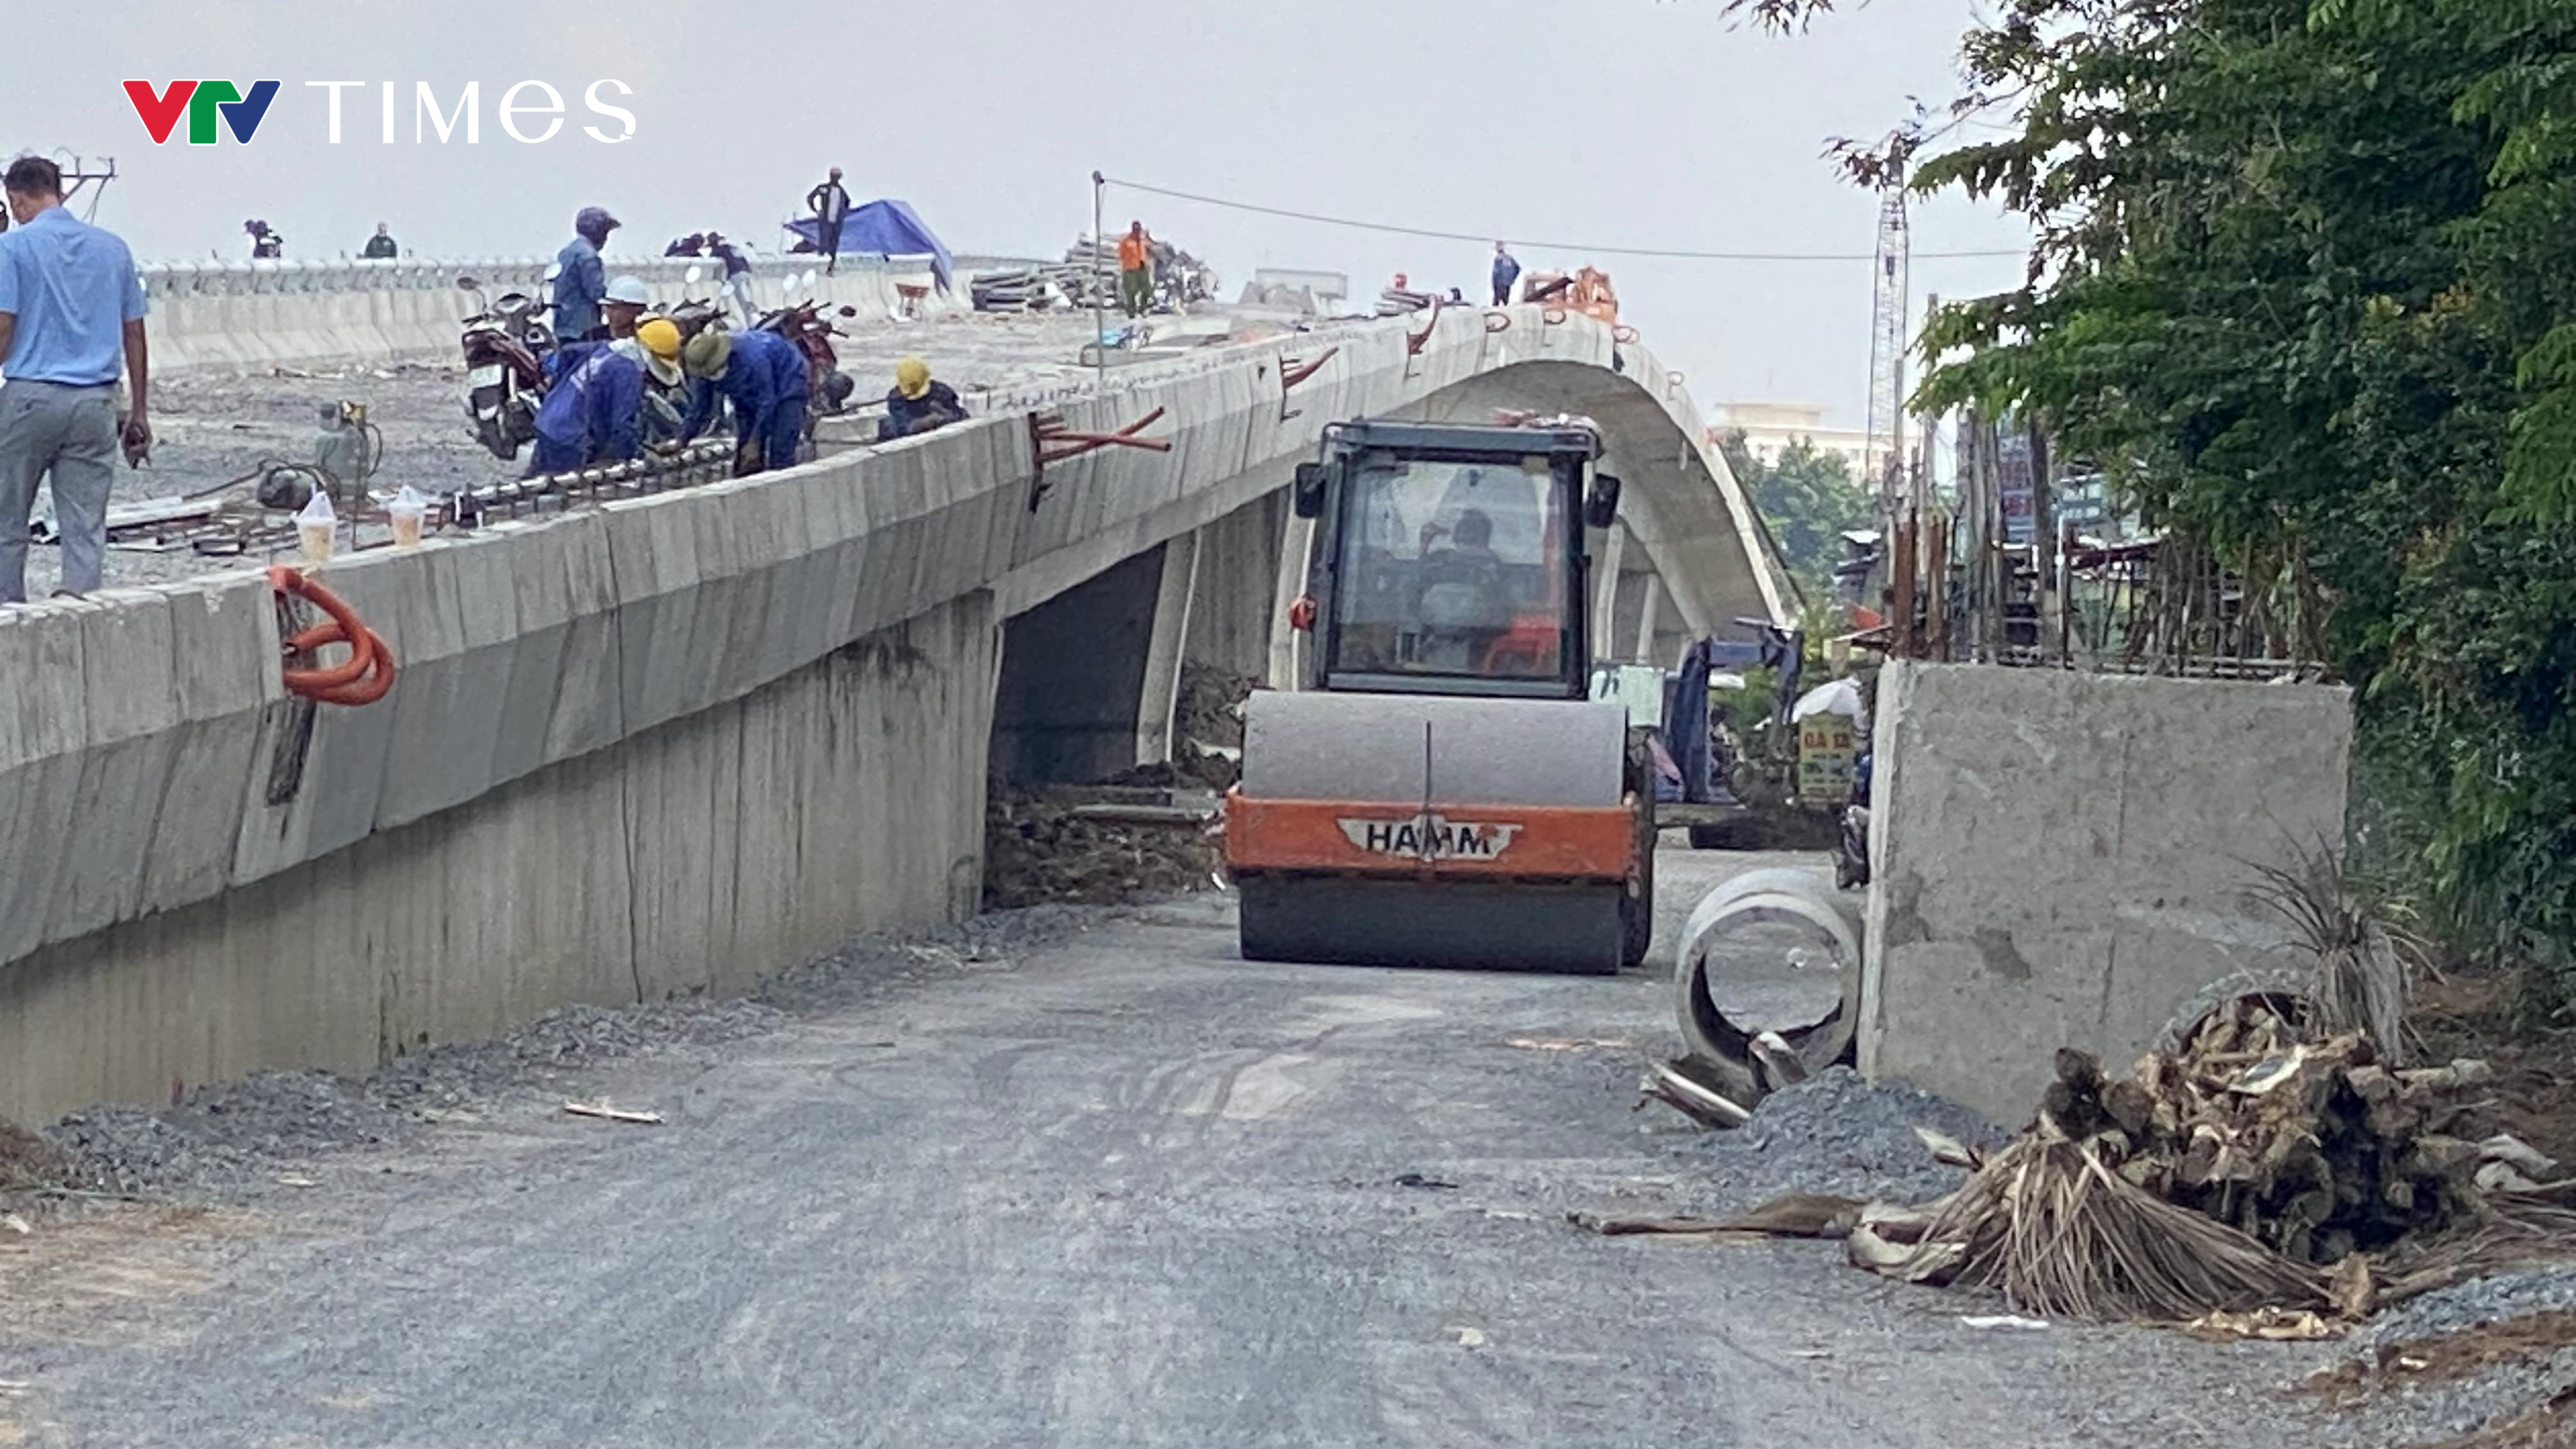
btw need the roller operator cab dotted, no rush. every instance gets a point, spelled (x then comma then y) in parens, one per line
(1436, 788)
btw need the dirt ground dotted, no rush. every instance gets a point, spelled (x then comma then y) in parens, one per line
(2478, 1013)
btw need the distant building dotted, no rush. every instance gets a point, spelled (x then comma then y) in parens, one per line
(1769, 427)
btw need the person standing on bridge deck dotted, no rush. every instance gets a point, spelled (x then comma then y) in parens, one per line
(265, 243)
(1136, 271)
(71, 313)
(831, 204)
(581, 279)
(380, 247)
(1507, 270)
(763, 375)
(737, 275)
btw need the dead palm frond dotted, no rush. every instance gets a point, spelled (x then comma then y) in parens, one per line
(2362, 951)
(2064, 1236)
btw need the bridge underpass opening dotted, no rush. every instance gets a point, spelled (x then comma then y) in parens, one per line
(1073, 678)
(1091, 678)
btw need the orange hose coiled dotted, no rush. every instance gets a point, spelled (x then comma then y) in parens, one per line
(362, 678)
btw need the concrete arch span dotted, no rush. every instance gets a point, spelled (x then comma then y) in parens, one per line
(1684, 517)
(1100, 630)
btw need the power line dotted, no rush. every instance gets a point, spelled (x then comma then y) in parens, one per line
(1671, 253)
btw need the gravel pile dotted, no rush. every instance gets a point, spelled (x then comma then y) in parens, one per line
(224, 1137)
(30, 1162)
(2466, 1305)
(2415, 1412)
(220, 1136)
(1839, 1133)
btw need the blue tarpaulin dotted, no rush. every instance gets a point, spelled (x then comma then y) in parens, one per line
(885, 228)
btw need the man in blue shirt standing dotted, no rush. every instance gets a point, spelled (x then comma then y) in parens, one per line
(71, 314)
(581, 279)
(1507, 270)
(763, 376)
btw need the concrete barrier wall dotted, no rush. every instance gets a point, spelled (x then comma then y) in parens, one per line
(148, 732)
(2067, 860)
(262, 314)
(699, 854)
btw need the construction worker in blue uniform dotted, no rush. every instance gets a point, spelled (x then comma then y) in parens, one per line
(593, 409)
(917, 404)
(763, 375)
(592, 413)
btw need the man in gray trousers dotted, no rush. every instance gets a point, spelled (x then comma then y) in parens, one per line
(71, 309)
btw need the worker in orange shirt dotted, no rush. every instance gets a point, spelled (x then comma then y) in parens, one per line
(1136, 271)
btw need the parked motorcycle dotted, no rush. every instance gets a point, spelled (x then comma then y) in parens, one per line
(1851, 851)
(694, 315)
(827, 388)
(505, 344)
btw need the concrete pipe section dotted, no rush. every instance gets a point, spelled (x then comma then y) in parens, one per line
(1773, 951)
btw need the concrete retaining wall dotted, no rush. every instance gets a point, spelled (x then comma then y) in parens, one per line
(261, 314)
(147, 733)
(2063, 860)
(845, 797)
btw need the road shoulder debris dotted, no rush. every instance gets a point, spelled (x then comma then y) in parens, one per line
(231, 1142)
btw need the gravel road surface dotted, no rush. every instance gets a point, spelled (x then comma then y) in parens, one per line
(1116, 1188)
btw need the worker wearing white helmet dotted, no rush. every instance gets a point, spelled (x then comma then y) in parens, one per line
(625, 304)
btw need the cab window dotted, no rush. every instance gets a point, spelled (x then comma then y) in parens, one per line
(1450, 568)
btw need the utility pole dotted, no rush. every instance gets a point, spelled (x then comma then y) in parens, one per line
(1888, 309)
(1099, 322)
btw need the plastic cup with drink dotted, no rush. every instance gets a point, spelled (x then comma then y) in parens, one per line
(317, 527)
(408, 510)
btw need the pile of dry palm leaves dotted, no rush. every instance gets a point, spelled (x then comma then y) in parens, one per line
(2253, 1168)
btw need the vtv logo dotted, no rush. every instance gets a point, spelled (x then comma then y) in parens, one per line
(202, 100)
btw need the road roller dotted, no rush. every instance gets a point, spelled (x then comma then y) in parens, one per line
(1436, 787)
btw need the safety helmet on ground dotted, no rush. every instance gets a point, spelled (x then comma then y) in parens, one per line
(912, 377)
(707, 353)
(630, 290)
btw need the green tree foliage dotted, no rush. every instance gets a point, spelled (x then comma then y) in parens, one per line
(2306, 271)
(1806, 498)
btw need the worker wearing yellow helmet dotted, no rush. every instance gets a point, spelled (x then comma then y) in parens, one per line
(917, 404)
(655, 346)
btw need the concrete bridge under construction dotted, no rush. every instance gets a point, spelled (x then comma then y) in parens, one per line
(672, 743)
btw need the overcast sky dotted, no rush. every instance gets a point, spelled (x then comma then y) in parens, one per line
(1609, 122)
